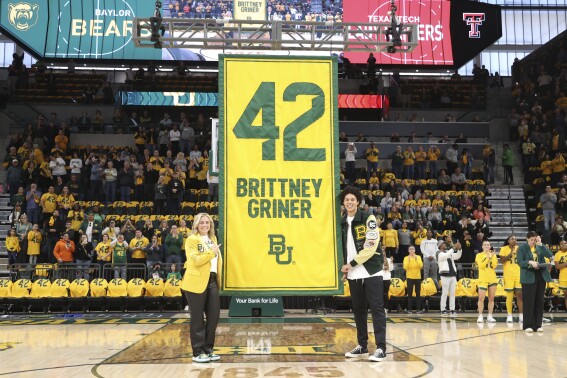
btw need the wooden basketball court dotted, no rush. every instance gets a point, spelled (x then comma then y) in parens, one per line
(157, 345)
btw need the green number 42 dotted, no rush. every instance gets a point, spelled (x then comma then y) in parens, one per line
(265, 100)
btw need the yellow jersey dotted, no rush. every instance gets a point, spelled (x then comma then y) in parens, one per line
(60, 288)
(99, 287)
(561, 258)
(79, 288)
(372, 154)
(510, 268)
(155, 287)
(466, 287)
(136, 287)
(117, 288)
(49, 201)
(428, 287)
(418, 236)
(138, 245)
(103, 251)
(397, 288)
(486, 267)
(500, 290)
(172, 288)
(21, 288)
(389, 238)
(420, 155)
(5, 288)
(409, 158)
(34, 242)
(41, 288)
(13, 244)
(413, 266)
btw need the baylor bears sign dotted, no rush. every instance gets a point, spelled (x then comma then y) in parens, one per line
(279, 175)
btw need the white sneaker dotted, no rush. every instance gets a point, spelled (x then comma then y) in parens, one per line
(540, 329)
(529, 330)
(186, 308)
(546, 320)
(490, 319)
(480, 319)
(509, 319)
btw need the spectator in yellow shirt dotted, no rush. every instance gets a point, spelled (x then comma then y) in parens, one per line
(409, 162)
(61, 141)
(374, 182)
(371, 154)
(546, 167)
(420, 163)
(390, 240)
(557, 167)
(433, 155)
(412, 266)
(418, 235)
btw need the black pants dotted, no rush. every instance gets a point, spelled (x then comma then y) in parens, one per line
(414, 283)
(533, 298)
(362, 293)
(508, 175)
(208, 302)
(386, 284)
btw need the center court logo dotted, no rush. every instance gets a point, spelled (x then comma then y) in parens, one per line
(23, 16)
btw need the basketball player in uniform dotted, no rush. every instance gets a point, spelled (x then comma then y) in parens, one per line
(561, 266)
(509, 258)
(486, 262)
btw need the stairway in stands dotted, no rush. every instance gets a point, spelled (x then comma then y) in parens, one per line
(5, 210)
(508, 213)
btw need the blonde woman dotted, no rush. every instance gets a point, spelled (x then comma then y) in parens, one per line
(201, 284)
(486, 262)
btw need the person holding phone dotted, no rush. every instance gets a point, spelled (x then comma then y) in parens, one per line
(448, 273)
(486, 262)
(200, 284)
(534, 274)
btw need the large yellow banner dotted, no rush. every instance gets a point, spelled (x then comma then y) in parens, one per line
(279, 175)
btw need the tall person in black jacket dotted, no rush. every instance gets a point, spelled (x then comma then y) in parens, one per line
(363, 263)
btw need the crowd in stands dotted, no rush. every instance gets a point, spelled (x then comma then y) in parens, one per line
(538, 121)
(107, 205)
(416, 201)
(289, 10)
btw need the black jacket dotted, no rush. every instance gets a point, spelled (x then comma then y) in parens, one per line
(366, 237)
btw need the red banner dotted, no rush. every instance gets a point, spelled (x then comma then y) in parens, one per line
(433, 17)
(355, 101)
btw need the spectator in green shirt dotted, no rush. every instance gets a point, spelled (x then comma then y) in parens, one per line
(173, 246)
(173, 273)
